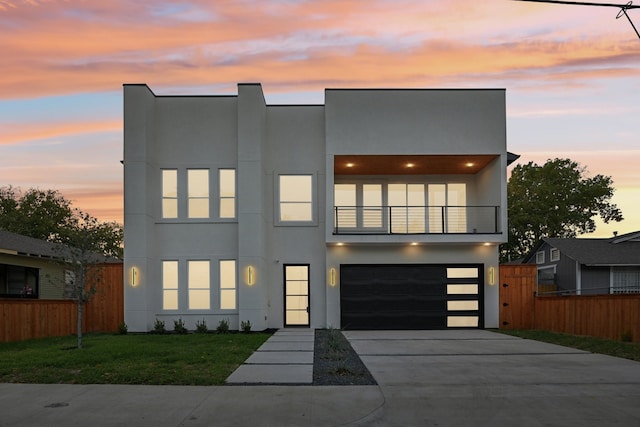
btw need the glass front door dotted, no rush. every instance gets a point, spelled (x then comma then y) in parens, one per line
(296, 295)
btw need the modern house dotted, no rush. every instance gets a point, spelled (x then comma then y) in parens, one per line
(381, 209)
(588, 266)
(27, 268)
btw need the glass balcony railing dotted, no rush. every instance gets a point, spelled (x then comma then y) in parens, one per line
(416, 220)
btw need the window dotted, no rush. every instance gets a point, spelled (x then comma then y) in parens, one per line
(169, 285)
(625, 280)
(406, 202)
(372, 205)
(227, 193)
(296, 198)
(199, 285)
(228, 284)
(344, 198)
(17, 281)
(554, 254)
(447, 208)
(540, 257)
(169, 193)
(198, 190)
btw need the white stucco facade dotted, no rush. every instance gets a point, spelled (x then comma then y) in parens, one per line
(261, 144)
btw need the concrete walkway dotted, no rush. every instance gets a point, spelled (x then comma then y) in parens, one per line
(285, 358)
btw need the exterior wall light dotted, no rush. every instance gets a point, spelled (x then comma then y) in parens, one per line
(491, 276)
(332, 276)
(134, 278)
(251, 275)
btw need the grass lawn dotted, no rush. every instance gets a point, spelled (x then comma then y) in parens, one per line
(193, 359)
(627, 350)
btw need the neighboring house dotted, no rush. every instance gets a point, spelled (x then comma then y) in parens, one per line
(27, 268)
(382, 208)
(588, 266)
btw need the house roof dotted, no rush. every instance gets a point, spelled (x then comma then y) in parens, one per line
(617, 250)
(17, 244)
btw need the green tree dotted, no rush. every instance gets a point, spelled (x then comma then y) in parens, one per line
(47, 215)
(557, 199)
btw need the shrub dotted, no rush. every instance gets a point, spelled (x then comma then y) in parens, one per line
(223, 327)
(626, 336)
(245, 326)
(201, 327)
(123, 328)
(178, 327)
(158, 327)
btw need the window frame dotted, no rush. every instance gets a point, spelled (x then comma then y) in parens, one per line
(164, 197)
(313, 202)
(191, 197)
(220, 197)
(165, 288)
(191, 288)
(221, 285)
(554, 254)
(540, 257)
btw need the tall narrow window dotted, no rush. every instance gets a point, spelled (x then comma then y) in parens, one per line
(227, 193)
(169, 285)
(199, 285)
(198, 188)
(457, 209)
(296, 198)
(344, 198)
(169, 193)
(372, 205)
(228, 285)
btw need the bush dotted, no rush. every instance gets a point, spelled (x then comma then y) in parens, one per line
(158, 327)
(201, 327)
(123, 328)
(245, 326)
(178, 327)
(223, 327)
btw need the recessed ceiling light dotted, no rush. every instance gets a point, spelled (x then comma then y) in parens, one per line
(339, 244)
(410, 165)
(414, 243)
(469, 164)
(350, 165)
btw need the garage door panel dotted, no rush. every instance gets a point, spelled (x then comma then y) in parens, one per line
(406, 296)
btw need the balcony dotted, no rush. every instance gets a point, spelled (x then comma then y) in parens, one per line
(388, 220)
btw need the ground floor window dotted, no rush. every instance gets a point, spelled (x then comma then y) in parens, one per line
(18, 282)
(196, 285)
(625, 280)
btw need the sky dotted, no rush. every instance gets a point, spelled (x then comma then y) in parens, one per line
(571, 75)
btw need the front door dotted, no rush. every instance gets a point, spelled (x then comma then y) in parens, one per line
(296, 295)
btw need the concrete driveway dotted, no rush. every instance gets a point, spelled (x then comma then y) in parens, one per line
(476, 377)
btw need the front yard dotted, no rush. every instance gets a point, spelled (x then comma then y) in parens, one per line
(193, 359)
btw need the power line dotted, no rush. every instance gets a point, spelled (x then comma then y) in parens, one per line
(623, 8)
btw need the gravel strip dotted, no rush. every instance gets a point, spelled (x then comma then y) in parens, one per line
(336, 363)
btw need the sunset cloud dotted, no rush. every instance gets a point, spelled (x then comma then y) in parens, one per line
(571, 73)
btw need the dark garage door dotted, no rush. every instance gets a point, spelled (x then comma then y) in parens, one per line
(410, 296)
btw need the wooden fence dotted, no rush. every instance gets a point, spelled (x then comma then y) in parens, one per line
(23, 319)
(603, 316)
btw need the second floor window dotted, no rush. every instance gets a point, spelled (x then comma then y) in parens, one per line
(198, 189)
(227, 193)
(296, 198)
(169, 193)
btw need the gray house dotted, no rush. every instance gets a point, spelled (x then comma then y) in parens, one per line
(381, 208)
(588, 266)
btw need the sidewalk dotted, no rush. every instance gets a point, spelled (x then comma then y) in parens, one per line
(285, 358)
